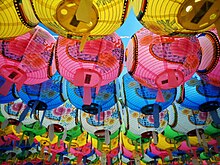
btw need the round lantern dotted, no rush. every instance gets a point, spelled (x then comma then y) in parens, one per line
(187, 121)
(185, 17)
(12, 94)
(98, 64)
(44, 96)
(16, 18)
(102, 125)
(61, 119)
(209, 68)
(197, 94)
(104, 100)
(27, 59)
(145, 98)
(78, 18)
(161, 62)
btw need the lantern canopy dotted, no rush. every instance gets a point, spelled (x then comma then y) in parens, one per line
(44, 96)
(199, 95)
(78, 18)
(162, 62)
(177, 18)
(98, 64)
(27, 59)
(16, 18)
(209, 68)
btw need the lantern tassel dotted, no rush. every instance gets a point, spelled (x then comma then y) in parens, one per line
(51, 132)
(84, 11)
(154, 137)
(4, 124)
(83, 42)
(198, 136)
(87, 96)
(215, 117)
(156, 112)
(5, 88)
(160, 97)
(18, 128)
(107, 137)
(172, 81)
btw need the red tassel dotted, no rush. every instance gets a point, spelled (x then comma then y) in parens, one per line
(160, 97)
(5, 88)
(172, 81)
(87, 96)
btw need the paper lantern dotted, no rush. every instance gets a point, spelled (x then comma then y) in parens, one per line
(185, 17)
(98, 64)
(104, 100)
(102, 126)
(145, 99)
(12, 94)
(78, 18)
(187, 121)
(197, 94)
(161, 62)
(27, 59)
(209, 68)
(140, 127)
(44, 96)
(16, 18)
(59, 120)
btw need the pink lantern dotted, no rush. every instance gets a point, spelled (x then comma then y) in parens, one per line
(209, 69)
(100, 62)
(162, 62)
(27, 59)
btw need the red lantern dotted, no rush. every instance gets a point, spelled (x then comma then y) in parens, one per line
(162, 62)
(100, 62)
(26, 59)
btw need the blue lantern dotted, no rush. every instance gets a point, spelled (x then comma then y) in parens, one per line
(199, 95)
(143, 99)
(44, 96)
(104, 100)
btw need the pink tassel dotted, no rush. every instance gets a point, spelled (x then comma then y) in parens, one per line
(87, 96)
(79, 158)
(172, 81)
(160, 97)
(5, 88)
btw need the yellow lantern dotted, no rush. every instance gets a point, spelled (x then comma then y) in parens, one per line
(16, 18)
(77, 18)
(182, 17)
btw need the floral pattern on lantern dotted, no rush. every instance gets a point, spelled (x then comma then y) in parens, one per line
(100, 62)
(199, 95)
(27, 59)
(75, 19)
(177, 18)
(16, 18)
(161, 62)
(209, 69)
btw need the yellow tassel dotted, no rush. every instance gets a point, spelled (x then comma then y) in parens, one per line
(83, 41)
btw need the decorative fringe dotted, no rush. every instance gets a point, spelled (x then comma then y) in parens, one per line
(51, 132)
(160, 97)
(107, 137)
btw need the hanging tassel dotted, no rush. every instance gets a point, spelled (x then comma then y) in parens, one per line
(31, 138)
(5, 88)
(83, 41)
(205, 144)
(156, 112)
(4, 124)
(36, 102)
(109, 162)
(84, 11)
(64, 134)
(99, 145)
(107, 137)
(137, 160)
(18, 128)
(154, 137)
(160, 97)
(24, 113)
(170, 154)
(41, 121)
(172, 81)
(79, 159)
(215, 117)
(87, 96)
(51, 132)
(198, 136)
(103, 159)
(22, 137)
